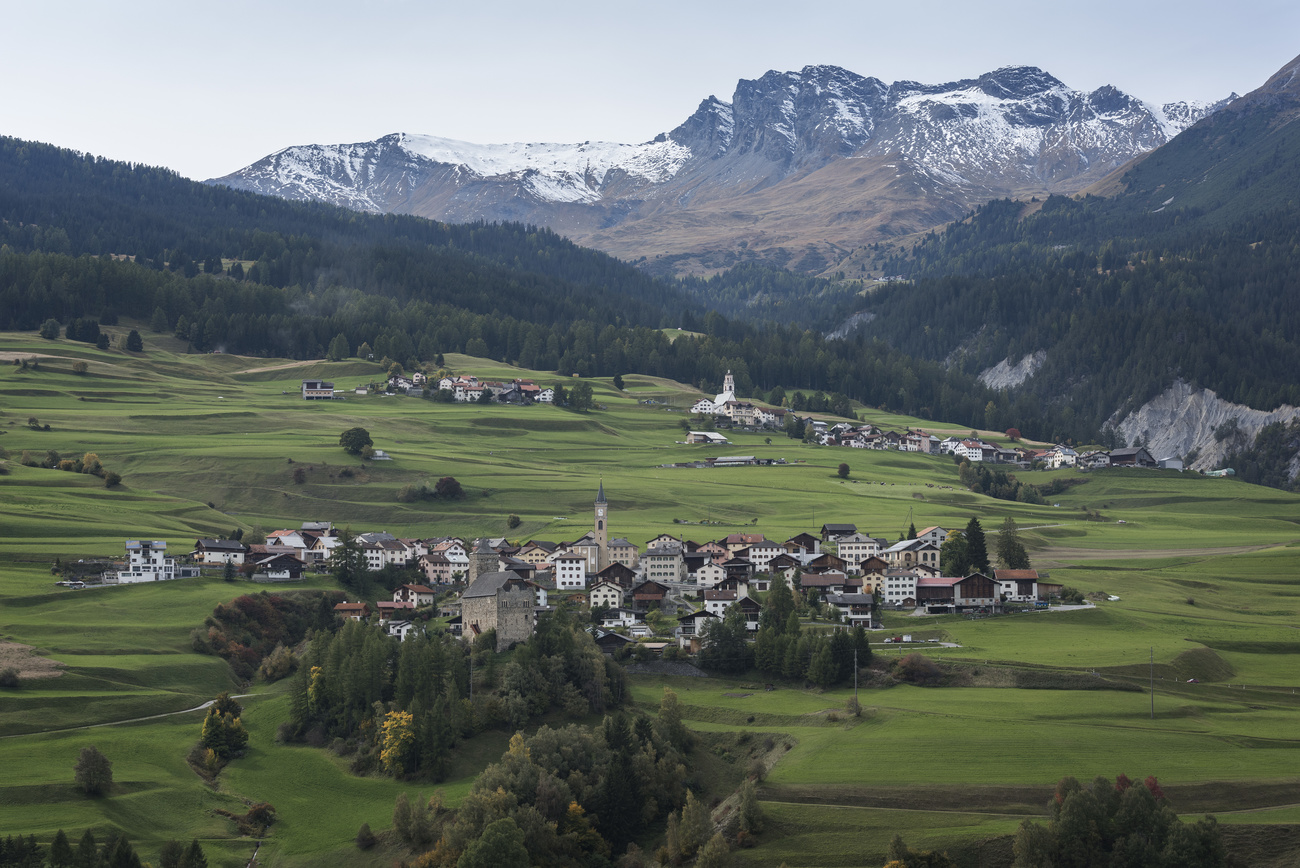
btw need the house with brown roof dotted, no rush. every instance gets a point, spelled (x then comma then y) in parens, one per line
(619, 574)
(417, 595)
(387, 608)
(718, 601)
(649, 593)
(606, 593)
(355, 611)
(1019, 586)
(219, 551)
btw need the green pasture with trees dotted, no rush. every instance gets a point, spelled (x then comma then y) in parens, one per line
(1205, 572)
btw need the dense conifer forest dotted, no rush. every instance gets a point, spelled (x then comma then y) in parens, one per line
(86, 238)
(1191, 272)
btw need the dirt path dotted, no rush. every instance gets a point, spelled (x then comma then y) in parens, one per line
(280, 367)
(120, 722)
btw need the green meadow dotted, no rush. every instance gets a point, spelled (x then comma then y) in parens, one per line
(1206, 571)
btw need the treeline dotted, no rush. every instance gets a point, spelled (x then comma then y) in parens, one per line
(763, 293)
(782, 648)
(60, 201)
(574, 796)
(115, 852)
(257, 632)
(1267, 461)
(261, 320)
(404, 706)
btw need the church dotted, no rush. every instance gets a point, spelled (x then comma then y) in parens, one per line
(718, 405)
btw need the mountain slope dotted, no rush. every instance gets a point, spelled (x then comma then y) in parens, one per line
(1185, 280)
(800, 166)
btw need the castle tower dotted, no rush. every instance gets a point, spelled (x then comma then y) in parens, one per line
(600, 527)
(482, 560)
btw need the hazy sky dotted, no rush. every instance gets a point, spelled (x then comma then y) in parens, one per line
(206, 88)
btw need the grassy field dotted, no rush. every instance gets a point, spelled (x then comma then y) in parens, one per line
(1205, 571)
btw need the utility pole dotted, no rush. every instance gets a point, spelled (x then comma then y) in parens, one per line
(855, 676)
(1153, 682)
(471, 673)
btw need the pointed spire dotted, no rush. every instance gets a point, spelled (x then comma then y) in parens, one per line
(600, 492)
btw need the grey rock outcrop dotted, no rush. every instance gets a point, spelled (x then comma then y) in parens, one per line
(1005, 375)
(1181, 420)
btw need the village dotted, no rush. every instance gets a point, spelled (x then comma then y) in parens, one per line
(661, 594)
(725, 411)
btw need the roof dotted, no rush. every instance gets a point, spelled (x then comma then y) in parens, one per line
(226, 545)
(1012, 575)
(620, 541)
(938, 581)
(719, 595)
(488, 584)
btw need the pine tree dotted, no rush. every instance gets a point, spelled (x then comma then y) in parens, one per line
(1011, 551)
(339, 349)
(61, 853)
(134, 343)
(977, 555)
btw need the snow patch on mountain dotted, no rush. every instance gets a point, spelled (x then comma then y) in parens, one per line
(555, 172)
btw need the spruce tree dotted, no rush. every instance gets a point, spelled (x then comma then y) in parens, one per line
(1011, 551)
(977, 555)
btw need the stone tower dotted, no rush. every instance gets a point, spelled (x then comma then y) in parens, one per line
(482, 560)
(600, 528)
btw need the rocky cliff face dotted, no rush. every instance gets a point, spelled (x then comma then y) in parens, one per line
(1181, 420)
(820, 158)
(1005, 375)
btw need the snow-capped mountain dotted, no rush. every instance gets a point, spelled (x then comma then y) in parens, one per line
(821, 159)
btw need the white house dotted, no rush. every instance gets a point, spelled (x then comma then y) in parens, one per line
(607, 594)
(570, 571)
(146, 561)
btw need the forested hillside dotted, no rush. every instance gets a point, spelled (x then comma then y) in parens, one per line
(409, 287)
(1191, 271)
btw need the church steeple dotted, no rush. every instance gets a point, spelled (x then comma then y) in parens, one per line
(600, 528)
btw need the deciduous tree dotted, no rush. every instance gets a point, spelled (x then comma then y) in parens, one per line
(93, 772)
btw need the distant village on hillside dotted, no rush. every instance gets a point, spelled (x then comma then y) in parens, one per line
(725, 411)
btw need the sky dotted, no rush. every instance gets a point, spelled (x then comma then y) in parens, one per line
(206, 88)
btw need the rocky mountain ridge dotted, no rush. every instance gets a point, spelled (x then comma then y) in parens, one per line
(802, 167)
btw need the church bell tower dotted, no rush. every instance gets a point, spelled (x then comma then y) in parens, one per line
(600, 527)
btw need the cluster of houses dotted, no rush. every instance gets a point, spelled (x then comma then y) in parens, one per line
(462, 389)
(493, 584)
(471, 389)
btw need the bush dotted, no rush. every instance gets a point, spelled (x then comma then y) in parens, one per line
(112, 478)
(80, 367)
(9, 678)
(918, 669)
(365, 837)
(513, 521)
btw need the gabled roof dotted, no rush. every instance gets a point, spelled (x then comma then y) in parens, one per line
(488, 584)
(1013, 575)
